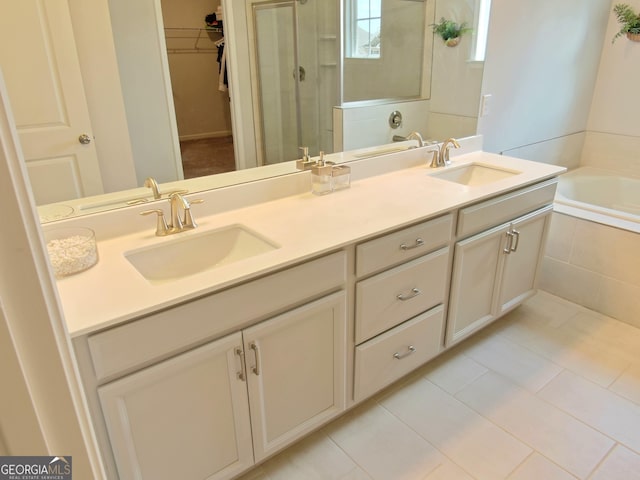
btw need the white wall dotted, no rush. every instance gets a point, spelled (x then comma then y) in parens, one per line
(145, 82)
(541, 67)
(613, 137)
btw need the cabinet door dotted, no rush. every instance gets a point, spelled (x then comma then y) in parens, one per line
(296, 366)
(185, 418)
(521, 264)
(477, 261)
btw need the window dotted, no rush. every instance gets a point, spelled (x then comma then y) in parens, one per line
(481, 30)
(364, 18)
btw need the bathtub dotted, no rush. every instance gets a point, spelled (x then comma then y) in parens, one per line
(592, 254)
(600, 196)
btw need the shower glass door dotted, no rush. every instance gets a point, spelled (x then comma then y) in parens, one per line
(296, 75)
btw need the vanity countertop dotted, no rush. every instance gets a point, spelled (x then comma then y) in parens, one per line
(303, 225)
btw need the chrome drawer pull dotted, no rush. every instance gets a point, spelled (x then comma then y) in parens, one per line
(240, 374)
(419, 243)
(414, 293)
(516, 235)
(410, 349)
(256, 368)
(507, 249)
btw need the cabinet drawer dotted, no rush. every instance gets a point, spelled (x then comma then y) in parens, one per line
(159, 335)
(396, 295)
(501, 209)
(408, 243)
(389, 356)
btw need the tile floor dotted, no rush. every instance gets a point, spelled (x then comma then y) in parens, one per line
(551, 391)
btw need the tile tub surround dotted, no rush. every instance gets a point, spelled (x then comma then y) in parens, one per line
(594, 265)
(573, 426)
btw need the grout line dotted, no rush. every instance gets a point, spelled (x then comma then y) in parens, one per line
(601, 462)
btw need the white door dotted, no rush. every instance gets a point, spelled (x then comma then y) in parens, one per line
(521, 263)
(39, 61)
(477, 261)
(296, 366)
(186, 418)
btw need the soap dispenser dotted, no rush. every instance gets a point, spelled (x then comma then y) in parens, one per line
(321, 177)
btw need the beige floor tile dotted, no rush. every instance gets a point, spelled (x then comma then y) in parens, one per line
(628, 384)
(452, 372)
(603, 409)
(621, 464)
(315, 458)
(519, 364)
(550, 308)
(567, 346)
(468, 439)
(449, 471)
(383, 446)
(571, 444)
(537, 467)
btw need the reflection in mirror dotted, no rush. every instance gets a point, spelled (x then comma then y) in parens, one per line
(380, 59)
(153, 129)
(294, 54)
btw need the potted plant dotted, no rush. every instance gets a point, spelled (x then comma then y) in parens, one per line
(450, 31)
(629, 21)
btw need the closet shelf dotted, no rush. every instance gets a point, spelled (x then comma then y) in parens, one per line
(192, 39)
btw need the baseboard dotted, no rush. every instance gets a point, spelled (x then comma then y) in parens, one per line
(200, 136)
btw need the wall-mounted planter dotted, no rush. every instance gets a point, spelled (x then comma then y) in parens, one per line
(452, 42)
(634, 37)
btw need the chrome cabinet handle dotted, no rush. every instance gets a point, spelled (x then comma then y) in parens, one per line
(414, 293)
(399, 356)
(238, 351)
(419, 243)
(516, 236)
(256, 368)
(507, 248)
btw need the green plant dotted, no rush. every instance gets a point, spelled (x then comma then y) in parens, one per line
(449, 29)
(628, 18)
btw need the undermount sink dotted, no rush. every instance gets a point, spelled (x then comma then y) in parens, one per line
(473, 174)
(195, 253)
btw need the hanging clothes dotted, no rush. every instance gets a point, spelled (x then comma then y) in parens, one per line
(223, 81)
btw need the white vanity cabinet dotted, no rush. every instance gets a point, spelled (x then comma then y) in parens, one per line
(174, 407)
(296, 370)
(187, 417)
(495, 270)
(399, 315)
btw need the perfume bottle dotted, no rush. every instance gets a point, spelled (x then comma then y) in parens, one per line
(321, 177)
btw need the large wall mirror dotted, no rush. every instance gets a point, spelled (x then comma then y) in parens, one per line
(289, 62)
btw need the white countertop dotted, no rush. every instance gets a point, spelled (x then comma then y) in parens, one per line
(304, 226)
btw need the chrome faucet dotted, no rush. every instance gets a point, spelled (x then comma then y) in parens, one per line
(411, 136)
(444, 151)
(151, 183)
(177, 203)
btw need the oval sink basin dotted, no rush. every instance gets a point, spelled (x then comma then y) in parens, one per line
(191, 254)
(473, 174)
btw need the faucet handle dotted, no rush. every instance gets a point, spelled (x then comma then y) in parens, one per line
(188, 221)
(162, 228)
(435, 158)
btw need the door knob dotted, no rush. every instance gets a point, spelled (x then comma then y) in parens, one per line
(84, 139)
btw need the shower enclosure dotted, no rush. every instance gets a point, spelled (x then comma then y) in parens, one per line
(295, 59)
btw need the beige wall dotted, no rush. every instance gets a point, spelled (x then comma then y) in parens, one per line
(202, 110)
